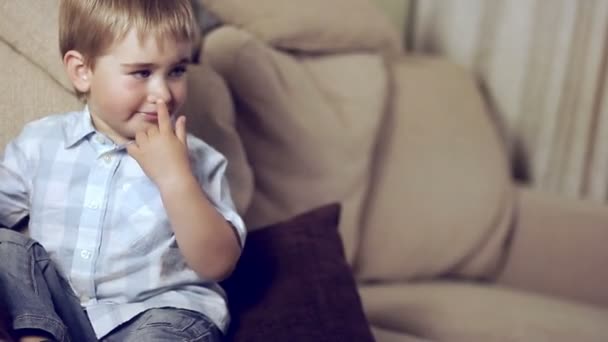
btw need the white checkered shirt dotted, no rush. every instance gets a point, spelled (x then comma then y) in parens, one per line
(102, 220)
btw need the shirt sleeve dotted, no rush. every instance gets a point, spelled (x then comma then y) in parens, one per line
(14, 189)
(209, 167)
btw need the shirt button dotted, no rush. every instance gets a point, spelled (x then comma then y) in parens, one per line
(107, 158)
(93, 205)
(85, 254)
(100, 139)
(84, 298)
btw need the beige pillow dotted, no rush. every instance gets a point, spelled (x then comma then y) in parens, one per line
(442, 195)
(313, 25)
(210, 115)
(38, 87)
(308, 124)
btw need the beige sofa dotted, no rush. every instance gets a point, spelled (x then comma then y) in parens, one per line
(316, 103)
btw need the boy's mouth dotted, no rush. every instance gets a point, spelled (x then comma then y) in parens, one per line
(150, 116)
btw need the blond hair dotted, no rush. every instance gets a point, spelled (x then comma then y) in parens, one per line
(91, 27)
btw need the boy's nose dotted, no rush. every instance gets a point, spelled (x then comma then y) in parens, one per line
(161, 91)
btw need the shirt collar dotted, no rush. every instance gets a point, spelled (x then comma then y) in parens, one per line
(79, 128)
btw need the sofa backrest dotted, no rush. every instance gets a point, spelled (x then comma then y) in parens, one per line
(308, 124)
(311, 88)
(33, 84)
(408, 150)
(441, 199)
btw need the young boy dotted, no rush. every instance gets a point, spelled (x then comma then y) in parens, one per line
(134, 215)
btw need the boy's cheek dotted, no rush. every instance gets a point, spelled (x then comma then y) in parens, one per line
(180, 99)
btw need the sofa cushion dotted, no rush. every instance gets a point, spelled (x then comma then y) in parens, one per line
(292, 283)
(441, 199)
(462, 312)
(386, 335)
(558, 247)
(313, 27)
(308, 124)
(210, 115)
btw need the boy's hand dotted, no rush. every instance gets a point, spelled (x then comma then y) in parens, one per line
(162, 152)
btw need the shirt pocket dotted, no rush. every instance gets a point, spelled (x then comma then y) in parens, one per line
(142, 219)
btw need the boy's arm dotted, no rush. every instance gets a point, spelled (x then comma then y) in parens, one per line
(206, 240)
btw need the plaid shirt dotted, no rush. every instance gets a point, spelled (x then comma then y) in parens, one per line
(102, 220)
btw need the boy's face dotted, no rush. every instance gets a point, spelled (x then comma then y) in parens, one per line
(126, 82)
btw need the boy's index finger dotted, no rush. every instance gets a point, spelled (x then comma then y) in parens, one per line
(164, 121)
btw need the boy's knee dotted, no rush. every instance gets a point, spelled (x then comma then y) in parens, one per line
(19, 253)
(13, 237)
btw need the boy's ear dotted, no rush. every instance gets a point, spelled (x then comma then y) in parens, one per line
(78, 70)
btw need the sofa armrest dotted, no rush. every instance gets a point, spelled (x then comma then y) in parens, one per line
(385, 335)
(558, 247)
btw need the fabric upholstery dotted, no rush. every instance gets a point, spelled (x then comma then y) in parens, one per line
(308, 124)
(558, 248)
(30, 94)
(385, 335)
(34, 34)
(462, 312)
(292, 283)
(287, 25)
(441, 199)
(210, 115)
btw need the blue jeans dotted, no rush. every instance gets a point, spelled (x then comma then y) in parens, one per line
(38, 298)
(166, 324)
(34, 293)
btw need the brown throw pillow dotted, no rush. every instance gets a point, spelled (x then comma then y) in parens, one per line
(5, 323)
(293, 284)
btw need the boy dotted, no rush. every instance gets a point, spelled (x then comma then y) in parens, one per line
(134, 213)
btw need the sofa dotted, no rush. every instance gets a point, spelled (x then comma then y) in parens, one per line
(319, 110)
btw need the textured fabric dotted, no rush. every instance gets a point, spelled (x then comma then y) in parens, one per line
(467, 312)
(384, 335)
(308, 125)
(558, 247)
(30, 27)
(398, 12)
(166, 324)
(290, 25)
(103, 222)
(35, 295)
(5, 322)
(29, 96)
(441, 199)
(292, 283)
(211, 117)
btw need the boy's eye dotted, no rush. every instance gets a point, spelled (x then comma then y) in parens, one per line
(178, 71)
(141, 73)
